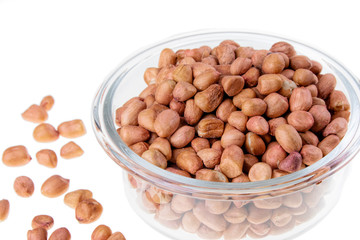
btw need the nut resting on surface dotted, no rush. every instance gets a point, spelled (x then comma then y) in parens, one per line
(60, 234)
(4, 209)
(35, 114)
(55, 186)
(45, 133)
(24, 186)
(73, 198)
(71, 150)
(42, 221)
(37, 234)
(16, 156)
(101, 232)
(88, 211)
(72, 129)
(47, 158)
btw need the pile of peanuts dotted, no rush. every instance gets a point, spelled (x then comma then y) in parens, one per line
(232, 219)
(234, 114)
(87, 209)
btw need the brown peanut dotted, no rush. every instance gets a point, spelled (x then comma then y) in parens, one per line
(88, 211)
(55, 186)
(116, 236)
(167, 57)
(155, 157)
(302, 121)
(300, 99)
(277, 105)
(258, 125)
(182, 137)
(47, 157)
(183, 73)
(164, 92)
(24, 186)
(273, 63)
(189, 161)
(60, 234)
(210, 157)
(338, 101)
(73, 198)
(283, 47)
(288, 138)
(254, 107)
(71, 150)
(45, 133)
(300, 61)
(133, 134)
(274, 154)
(322, 117)
(232, 160)
(326, 85)
(37, 234)
(304, 77)
(210, 128)
(240, 66)
(101, 232)
(260, 171)
(232, 137)
(291, 163)
(245, 94)
(269, 83)
(338, 126)
(76, 128)
(42, 221)
(4, 209)
(211, 175)
(47, 103)
(209, 99)
(35, 114)
(166, 123)
(232, 85)
(192, 112)
(254, 144)
(183, 91)
(16, 156)
(150, 75)
(225, 109)
(328, 144)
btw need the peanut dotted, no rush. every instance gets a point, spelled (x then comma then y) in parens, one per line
(322, 117)
(60, 234)
(42, 221)
(269, 83)
(24, 186)
(244, 95)
(133, 134)
(117, 236)
(71, 150)
(338, 126)
(240, 66)
(88, 211)
(302, 121)
(288, 138)
(283, 47)
(101, 232)
(35, 114)
(76, 128)
(328, 144)
(338, 101)
(190, 223)
(274, 154)
(300, 61)
(232, 85)
(304, 77)
(47, 158)
(232, 160)
(291, 163)
(310, 154)
(211, 175)
(326, 85)
(16, 156)
(189, 161)
(258, 125)
(300, 99)
(210, 157)
(167, 57)
(150, 75)
(4, 209)
(73, 198)
(45, 133)
(155, 157)
(260, 171)
(166, 123)
(277, 105)
(55, 186)
(273, 63)
(37, 234)
(183, 73)
(209, 99)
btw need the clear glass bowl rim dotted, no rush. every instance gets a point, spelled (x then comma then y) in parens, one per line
(108, 138)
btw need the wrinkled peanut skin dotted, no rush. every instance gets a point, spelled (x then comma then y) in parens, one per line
(88, 211)
(101, 232)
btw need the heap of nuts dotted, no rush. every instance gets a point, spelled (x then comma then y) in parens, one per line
(87, 209)
(233, 114)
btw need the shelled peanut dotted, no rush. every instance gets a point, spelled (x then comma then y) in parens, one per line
(220, 113)
(231, 218)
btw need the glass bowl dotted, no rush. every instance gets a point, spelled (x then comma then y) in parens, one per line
(186, 208)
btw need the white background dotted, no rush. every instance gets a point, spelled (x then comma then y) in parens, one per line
(66, 48)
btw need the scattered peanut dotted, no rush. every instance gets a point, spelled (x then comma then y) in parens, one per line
(88, 211)
(101, 232)
(60, 234)
(47, 158)
(16, 156)
(55, 186)
(24, 186)
(35, 114)
(42, 221)
(74, 128)
(73, 198)
(45, 133)
(71, 150)
(4, 209)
